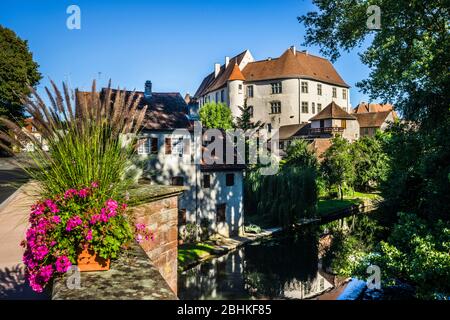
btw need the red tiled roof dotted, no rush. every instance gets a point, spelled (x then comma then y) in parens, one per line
(319, 146)
(333, 111)
(290, 65)
(211, 83)
(372, 119)
(236, 74)
(364, 107)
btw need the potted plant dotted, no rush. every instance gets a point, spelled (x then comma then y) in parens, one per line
(76, 228)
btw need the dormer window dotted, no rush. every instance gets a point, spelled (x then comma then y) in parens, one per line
(276, 88)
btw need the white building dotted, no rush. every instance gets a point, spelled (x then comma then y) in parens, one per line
(287, 90)
(215, 191)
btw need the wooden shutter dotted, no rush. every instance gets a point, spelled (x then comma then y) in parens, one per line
(168, 145)
(154, 145)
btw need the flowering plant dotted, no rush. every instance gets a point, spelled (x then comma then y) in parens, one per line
(63, 225)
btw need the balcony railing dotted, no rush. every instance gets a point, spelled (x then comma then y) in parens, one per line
(326, 130)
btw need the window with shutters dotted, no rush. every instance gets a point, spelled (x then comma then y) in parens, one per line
(143, 146)
(168, 146)
(154, 145)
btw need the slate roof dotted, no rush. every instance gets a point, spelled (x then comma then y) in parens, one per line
(333, 111)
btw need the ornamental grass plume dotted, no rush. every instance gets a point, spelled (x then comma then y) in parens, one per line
(90, 137)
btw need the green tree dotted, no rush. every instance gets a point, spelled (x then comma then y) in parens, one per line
(299, 154)
(370, 162)
(337, 166)
(216, 115)
(18, 71)
(244, 121)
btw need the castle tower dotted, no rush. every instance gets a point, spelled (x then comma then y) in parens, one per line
(236, 90)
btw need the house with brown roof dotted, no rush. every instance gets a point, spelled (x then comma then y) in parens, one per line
(288, 90)
(166, 148)
(373, 117)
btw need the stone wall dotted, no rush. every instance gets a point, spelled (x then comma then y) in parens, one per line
(161, 216)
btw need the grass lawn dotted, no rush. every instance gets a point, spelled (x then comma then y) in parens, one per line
(326, 206)
(191, 252)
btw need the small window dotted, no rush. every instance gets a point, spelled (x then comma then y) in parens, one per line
(366, 131)
(230, 179)
(276, 88)
(344, 94)
(168, 145)
(250, 91)
(222, 95)
(154, 145)
(319, 107)
(305, 107)
(250, 111)
(313, 107)
(217, 96)
(177, 181)
(304, 87)
(143, 147)
(182, 217)
(206, 181)
(177, 146)
(275, 107)
(269, 127)
(334, 93)
(319, 89)
(240, 87)
(221, 210)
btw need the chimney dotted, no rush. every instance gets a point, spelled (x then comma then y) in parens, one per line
(227, 61)
(294, 50)
(216, 70)
(148, 89)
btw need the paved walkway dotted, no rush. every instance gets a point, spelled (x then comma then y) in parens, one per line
(13, 224)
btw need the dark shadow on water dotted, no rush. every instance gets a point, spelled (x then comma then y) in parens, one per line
(13, 285)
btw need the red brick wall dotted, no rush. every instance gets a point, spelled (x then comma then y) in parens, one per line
(161, 216)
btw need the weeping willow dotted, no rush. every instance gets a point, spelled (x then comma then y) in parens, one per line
(283, 198)
(89, 137)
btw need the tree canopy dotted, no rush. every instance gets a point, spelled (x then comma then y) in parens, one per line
(216, 116)
(17, 72)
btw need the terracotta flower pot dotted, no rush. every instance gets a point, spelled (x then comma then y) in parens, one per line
(88, 260)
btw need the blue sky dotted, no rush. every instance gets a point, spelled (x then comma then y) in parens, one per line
(173, 43)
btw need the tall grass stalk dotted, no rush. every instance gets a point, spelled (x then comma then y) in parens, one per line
(90, 136)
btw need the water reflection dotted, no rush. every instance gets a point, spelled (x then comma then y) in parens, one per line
(282, 267)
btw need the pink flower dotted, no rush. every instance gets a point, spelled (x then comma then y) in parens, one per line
(83, 193)
(124, 206)
(52, 206)
(95, 218)
(56, 219)
(70, 193)
(94, 184)
(139, 226)
(73, 223)
(139, 238)
(62, 264)
(40, 252)
(89, 235)
(37, 209)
